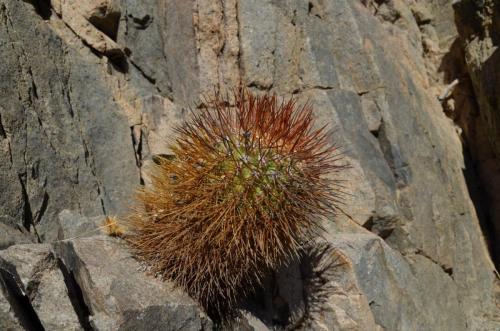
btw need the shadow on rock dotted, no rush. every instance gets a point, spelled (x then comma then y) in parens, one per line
(291, 298)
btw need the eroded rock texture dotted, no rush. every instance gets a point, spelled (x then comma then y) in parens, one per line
(90, 92)
(479, 28)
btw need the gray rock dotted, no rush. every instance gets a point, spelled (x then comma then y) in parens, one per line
(248, 322)
(37, 286)
(13, 235)
(118, 292)
(58, 131)
(8, 319)
(77, 130)
(152, 39)
(380, 271)
(76, 226)
(320, 291)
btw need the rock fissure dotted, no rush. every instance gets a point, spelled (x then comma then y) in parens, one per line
(3, 134)
(44, 265)
(19, 302)
(67, 93)
(150, 79)
(446, 269)
(28, 221)
(76, 297)
(89, 158)
(136, 134)
(43, 208)
(238, 38)
(42, 8)
(470, 67)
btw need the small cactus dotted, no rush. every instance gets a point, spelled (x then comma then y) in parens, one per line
(246, 188)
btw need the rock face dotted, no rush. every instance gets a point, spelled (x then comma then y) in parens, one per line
(479, 28)
(90, 283)
(117, 293)
(36, 282)
(89, 93)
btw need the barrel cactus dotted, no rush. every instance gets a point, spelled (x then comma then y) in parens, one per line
(249, 183)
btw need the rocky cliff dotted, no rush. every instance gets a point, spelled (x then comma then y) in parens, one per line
(89, 92)
(479, 28)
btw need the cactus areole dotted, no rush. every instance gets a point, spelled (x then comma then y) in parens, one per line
(251, 182)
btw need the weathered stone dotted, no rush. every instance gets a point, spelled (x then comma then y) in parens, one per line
(159, 118)
(421, 13)
(8, 319)
(59, 134)
(479, 29)
(73, 225)
(78, 130)
(103, 14)
(153, 39)
(33, 270)
(381, 271)
(84, 21)
(248, 322)
(12, 235)
(118, 292)
(335, 300)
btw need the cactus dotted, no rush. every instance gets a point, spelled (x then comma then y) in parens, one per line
(248, 186)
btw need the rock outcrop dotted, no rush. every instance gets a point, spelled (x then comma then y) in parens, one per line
(479, 28)
(36, 288)
(89, 283)
(117, 293)
(90, 93)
